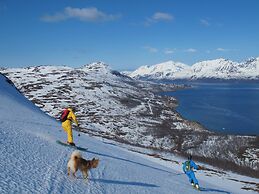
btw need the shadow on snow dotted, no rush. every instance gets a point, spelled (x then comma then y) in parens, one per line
(126, 160)
(214, 190)
(124, 183)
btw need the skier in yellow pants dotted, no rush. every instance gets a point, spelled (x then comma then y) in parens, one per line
(66, 124)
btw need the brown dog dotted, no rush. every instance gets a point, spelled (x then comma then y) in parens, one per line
(77, 162)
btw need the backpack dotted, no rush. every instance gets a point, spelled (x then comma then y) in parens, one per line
(64, 115)
(187, 165)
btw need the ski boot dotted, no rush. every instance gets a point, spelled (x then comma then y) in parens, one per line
(71, 143)
(197, 187)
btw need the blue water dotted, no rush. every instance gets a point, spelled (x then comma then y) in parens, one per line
(228, 108)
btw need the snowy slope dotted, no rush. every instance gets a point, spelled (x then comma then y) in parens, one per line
(219, 68)
(160, 71)
(210, 69)
(32, 162)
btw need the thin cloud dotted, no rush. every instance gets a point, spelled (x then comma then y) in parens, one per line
(222, 49)
(169, 51)
(91, 14)
(159, 17)
(191, 50)
(205, 22)
(54, 18)
(151, 49)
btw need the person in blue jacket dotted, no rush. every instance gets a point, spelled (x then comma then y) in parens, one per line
(188, 167)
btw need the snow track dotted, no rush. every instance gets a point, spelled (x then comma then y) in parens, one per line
(19, 165)
(53, 179)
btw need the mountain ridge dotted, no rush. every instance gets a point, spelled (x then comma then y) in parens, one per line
(210, 69)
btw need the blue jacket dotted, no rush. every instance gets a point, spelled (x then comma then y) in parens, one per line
(192, 166)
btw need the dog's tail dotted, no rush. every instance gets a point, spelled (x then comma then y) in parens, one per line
(75, 155)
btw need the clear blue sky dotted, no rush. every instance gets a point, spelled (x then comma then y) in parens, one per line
(126, 33)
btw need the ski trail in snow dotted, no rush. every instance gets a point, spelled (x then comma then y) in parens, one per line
(98, 175)
(19, 165)
(54, 175)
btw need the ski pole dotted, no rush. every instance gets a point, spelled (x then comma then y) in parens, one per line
(79, 131)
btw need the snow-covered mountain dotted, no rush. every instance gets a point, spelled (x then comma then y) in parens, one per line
(211, 69)
(160, 71)
(32, 162)
(117, 107)
(107, 102)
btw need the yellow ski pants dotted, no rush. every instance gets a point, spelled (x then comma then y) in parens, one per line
(68, 128)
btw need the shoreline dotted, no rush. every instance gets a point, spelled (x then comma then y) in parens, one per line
(182, 111)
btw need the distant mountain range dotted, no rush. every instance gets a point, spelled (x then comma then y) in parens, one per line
(211, 69)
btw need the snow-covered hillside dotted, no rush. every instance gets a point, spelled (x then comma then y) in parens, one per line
(106, 102)
(211, 69)
(117, 107)
(32, 162)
